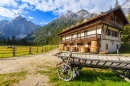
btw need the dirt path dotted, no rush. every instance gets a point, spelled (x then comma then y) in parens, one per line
(31, 64)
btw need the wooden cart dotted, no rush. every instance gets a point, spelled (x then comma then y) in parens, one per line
(72, 63)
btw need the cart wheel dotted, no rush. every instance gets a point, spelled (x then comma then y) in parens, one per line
(65, 72)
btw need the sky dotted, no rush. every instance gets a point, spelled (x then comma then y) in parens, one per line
(42, 12)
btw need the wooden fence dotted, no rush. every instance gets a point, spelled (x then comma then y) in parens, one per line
(25, 49)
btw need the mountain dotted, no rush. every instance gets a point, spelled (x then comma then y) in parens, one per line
(18, 27)
(125, 6)
(41, 34)
(3, 22)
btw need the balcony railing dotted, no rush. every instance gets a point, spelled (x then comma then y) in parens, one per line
(115, 24)
(82, 38)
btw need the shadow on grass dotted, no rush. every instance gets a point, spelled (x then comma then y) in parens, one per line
(90, 76)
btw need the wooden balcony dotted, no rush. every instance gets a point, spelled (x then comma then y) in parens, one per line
(115, 24)
(82, 38)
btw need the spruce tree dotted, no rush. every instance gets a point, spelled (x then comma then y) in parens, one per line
(128, 16)
(125, 34)
(110, 7)
(117, 4)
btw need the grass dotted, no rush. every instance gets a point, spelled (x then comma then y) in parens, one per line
(23, 50)
(9, 79)
(87, 77)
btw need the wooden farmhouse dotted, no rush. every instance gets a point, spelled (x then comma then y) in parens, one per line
(99, 34)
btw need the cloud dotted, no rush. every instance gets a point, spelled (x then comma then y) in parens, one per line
(12, 8)
(8, 3)
(31, 17)
(62, 6)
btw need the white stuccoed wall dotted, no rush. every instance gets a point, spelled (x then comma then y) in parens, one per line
(111, 47)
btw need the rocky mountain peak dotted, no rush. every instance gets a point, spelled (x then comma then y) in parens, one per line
(70, 11)
(18, 27)
(125, 6)
(82, 13)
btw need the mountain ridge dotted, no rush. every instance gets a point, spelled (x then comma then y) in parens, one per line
(18, 27)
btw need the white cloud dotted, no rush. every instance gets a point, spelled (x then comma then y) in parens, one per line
(6, 12)
(62, 6)
(31, 17)
(25, 6)
(12, 8)
(11, 3)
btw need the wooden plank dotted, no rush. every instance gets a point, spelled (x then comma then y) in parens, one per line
(111, 63)
(97, 62)
(118, 64)
(91, 62)
(104, 63)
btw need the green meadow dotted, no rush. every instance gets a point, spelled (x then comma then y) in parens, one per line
(24, 50)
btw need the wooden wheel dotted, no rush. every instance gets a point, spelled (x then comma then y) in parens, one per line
(65, 72)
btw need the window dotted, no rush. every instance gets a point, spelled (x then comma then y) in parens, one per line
(117, 46)
(108, 32)
(106, 46)
(112, 33)
(111, 18)
(78, 35)
(115, 33)
(85, 33)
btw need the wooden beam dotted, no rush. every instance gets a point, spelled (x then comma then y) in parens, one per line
(85, 27)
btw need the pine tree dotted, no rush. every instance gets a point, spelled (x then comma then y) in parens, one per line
(110, 7)
(125, 34)
(117, 4)
(128, 16)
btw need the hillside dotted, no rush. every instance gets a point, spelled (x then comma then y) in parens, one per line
(40, 35)
(18, 27)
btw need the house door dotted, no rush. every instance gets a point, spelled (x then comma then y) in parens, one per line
(89, 46)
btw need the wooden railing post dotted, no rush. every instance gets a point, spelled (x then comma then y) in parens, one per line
(30, 49)
(14, 51)
(96, 30)
(42, 48)
(37, 49)
(45, 48)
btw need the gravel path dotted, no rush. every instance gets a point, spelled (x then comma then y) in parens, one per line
(30, 63)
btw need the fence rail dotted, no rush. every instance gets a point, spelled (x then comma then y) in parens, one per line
(5, 50)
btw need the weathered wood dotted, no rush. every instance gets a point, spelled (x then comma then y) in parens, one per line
(91, 62)
(42, 48)
(97, 62)
(37, 49)
(30, 49)
(104, 63)
(13, 50)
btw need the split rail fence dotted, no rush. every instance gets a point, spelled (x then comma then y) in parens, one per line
(6, 51)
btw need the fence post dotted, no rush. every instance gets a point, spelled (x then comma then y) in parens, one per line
(14, 51)
(37, 49)
(42, 48)
(30, 49)
(45, 48)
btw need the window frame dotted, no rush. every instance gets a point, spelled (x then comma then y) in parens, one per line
(106, 46)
